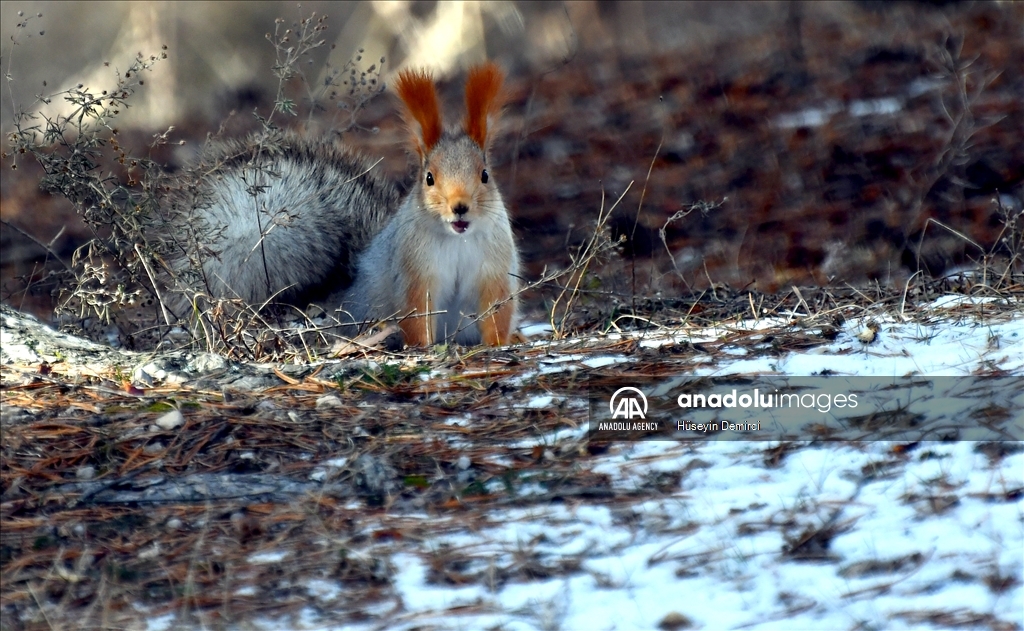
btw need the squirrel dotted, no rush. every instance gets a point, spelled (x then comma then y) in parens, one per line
(314, 220)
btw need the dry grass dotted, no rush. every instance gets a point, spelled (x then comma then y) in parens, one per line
(104, 511)
(108, 519)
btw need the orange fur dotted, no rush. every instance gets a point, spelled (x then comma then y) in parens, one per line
(496, 327)
(417, 328)
(482, 100)
(416, 89)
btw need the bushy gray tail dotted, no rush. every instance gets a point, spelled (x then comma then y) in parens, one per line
(281, 218)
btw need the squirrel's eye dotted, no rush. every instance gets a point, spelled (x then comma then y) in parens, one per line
(483, 176)
(430, 178)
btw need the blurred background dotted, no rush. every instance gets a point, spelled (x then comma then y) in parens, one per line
(221, 54)
(821, 138)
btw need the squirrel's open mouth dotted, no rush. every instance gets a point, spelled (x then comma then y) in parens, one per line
(460, 226)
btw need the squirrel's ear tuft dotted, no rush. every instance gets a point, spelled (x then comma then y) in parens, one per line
(483, 90)
(416, 89)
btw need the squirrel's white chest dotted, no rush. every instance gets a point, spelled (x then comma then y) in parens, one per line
(457, 273)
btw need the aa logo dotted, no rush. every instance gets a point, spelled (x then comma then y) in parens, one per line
(625, 404)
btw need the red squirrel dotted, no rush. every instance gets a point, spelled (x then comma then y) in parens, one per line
(442, 261)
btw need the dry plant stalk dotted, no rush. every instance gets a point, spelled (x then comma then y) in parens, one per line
(596, 245)
(123, 200)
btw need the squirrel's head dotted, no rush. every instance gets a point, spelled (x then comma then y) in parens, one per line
(454, 182)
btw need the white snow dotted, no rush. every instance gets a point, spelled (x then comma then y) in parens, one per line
(920, 535)
(539, 401)
(268, 557)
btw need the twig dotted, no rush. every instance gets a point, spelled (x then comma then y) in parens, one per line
(48, 248)
(581, 263)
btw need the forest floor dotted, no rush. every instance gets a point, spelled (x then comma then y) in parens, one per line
(833, 202)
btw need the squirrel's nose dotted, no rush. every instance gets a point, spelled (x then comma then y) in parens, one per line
(460, 209)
